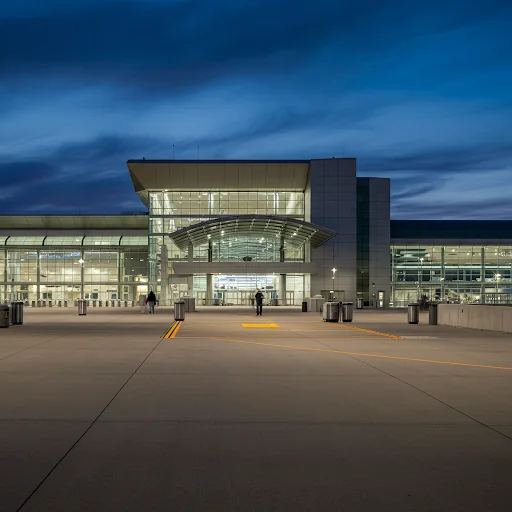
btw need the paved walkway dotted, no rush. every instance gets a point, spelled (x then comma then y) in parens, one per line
(101, 413)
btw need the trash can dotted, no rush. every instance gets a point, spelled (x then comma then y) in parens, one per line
(4, 315)
(43, 303)
(179, 310)
(50, 303)
(304, 306)
(347, 311)
(413, 313)
(331, 311)
(59, 303)
(118, 303)
(432, 314)
(82, 307)
(359, 303)
(125, 303)
(100, 303)
(94, 303)
(17, 312)
(33, 303)
(65, 303)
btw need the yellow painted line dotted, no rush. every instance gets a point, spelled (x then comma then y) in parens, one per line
(453, 363)
(262, 326)
(175, 331)
(167, 331)
(172, 331)
(378, 333)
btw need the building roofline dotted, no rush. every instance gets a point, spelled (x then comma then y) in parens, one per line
(172, 161)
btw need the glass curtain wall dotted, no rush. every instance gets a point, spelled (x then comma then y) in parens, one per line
(454, 274)
(50, 268)
(171, 211)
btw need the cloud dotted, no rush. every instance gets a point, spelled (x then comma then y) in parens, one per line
(417, 92)
(177, 45)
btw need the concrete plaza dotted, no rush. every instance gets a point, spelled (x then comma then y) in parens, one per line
(100, 413)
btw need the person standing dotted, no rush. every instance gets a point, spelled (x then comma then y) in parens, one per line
(259, 302)
(151, 301)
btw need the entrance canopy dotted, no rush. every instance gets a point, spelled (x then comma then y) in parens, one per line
(295, 232)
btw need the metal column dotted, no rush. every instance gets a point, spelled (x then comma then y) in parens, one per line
(190, 285)
(119, 284)
(282, 289)
(482, 276)
(443, 285)
(164, 274)
(209, 289)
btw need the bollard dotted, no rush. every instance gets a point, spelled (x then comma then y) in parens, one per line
(413, 313)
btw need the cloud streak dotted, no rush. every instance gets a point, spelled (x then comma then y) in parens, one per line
(420, 93)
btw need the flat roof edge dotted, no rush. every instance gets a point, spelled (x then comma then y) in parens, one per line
(173, 161)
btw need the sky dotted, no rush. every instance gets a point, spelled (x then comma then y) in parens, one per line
(420, 92)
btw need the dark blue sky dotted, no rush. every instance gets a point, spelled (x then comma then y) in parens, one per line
(417, 91)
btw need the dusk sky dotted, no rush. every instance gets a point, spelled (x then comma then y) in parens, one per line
(420, 92)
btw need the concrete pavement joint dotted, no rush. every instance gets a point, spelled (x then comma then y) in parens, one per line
(379, 356)
(51, 339)
(86, 430)
(435, 398)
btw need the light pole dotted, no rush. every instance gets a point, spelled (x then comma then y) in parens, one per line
(81, 261)
(497, 279)
(420, 278)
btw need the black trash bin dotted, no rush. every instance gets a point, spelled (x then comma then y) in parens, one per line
(5, 316)
(304, 306)
(17, 312)
(432, 314)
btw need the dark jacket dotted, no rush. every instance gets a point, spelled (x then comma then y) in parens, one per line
(259, 298)
(151, 297)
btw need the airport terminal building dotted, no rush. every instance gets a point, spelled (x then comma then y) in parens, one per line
(219, 230)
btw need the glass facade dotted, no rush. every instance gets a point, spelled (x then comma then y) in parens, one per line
(50, 268)
(451, 273)
(171, 211)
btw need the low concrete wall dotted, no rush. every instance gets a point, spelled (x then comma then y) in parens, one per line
(486, 318)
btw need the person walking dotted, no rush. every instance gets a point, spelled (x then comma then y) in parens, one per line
(151, 299)
(259, 302)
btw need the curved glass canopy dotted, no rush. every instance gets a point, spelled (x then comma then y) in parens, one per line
(295, 232)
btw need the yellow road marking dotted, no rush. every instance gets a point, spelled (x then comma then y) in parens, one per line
(172, 331)
(263, 326)
(453, 363)
(387, 335)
